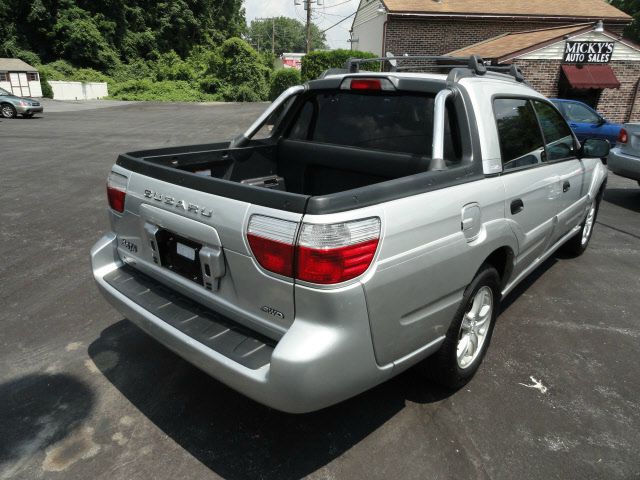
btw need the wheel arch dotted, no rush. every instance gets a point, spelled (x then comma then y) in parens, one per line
(502, 260)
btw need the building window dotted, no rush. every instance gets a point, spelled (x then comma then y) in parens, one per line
(4, 77)
(32, 76)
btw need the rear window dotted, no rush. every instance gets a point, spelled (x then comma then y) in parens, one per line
(391, 122)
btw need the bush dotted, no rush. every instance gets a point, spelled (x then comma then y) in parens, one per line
(165, 91)
(314, 63)
(170, 66)
(89, 75)
(241, 66)
(210, 84)
(283, 79)
(47, 91)
(242, 93)
(59, 70)
(136, 70)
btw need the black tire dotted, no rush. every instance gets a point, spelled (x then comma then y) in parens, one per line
(443, 367)
(8, 111)
(577, 244)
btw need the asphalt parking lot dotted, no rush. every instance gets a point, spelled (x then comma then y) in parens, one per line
(85, 394)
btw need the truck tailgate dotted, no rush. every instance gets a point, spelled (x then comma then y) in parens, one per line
(195, 242)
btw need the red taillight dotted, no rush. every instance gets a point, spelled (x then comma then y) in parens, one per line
(324, 253)
(334, 265)
(274, 256)
(365, 84)
(116, 191)
(271, 241)
(623, 136)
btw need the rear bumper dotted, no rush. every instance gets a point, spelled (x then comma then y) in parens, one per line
(623, 164)
(326, 356)
(22, 110)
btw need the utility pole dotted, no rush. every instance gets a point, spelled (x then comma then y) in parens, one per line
(307, 6)
(308, 2)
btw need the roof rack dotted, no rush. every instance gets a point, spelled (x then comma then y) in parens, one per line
(473, 63)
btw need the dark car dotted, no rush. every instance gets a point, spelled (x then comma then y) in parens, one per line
(587, 122)
(12, 105)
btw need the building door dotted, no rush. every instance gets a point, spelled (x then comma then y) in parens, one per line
(19, 84)
(590, 96)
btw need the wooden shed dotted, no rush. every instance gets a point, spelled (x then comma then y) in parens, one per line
(20, 78)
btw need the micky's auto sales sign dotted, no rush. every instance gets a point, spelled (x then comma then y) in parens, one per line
(588, 52)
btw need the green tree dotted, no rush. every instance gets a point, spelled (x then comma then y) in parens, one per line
(632, 7)
(290, 35)
(314, 63)
(241, 66)
(78, 39)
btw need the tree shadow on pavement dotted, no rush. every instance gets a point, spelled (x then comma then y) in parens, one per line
(39, 410)
(231, 434)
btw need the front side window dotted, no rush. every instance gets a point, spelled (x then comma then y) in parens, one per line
(521, 142)
(557, 134)
(578, 113)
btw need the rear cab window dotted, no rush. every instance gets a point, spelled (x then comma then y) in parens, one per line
(394, 122)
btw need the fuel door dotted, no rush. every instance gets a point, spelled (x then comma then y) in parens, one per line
(471, 221)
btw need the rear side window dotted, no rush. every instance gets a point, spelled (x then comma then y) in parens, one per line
(391, 122)
(557, 135)
(521, 142)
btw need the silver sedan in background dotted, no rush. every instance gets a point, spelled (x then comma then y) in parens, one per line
(12, 105)
(624, 158)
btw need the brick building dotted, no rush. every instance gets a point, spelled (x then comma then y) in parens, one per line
(533, 34)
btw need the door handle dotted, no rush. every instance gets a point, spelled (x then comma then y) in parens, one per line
(517, 206)
(565, 187)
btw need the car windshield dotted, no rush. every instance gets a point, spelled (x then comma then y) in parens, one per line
(4, 92)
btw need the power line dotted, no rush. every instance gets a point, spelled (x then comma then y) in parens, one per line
(339, 22)
(337, 4)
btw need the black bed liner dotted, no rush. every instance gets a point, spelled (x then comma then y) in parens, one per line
(157, 164)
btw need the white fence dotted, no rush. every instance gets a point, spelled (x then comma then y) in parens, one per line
(63, 90)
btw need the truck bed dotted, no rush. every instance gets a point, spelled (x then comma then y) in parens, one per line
(302, 176)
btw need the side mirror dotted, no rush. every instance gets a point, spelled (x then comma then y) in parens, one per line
(594, 148)
(601, 121)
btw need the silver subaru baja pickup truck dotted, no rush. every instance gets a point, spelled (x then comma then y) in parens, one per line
(364, 223)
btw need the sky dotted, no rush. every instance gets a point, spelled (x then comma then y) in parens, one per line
(330, 12)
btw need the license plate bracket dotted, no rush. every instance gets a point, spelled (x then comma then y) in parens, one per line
(180, 255)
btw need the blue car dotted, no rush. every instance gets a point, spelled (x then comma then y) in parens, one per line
(586, 122)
